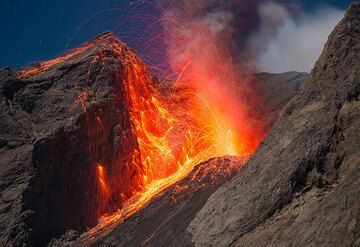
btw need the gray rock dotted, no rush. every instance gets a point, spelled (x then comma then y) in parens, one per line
(57, 123)
(302, 186)
(275, 90)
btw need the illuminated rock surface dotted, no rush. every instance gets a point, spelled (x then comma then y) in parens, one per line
(164, 220)
(57, 127)
(302, 186)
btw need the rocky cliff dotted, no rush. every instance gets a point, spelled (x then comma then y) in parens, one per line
(164, 220)
(61, 121)
(275, 91)
(302, 186)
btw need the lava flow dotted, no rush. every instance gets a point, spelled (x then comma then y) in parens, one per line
(175, 131)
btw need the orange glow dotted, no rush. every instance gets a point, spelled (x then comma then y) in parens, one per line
(155, 189)
(78, 54)
(101, 177)
(104, 189)
(201, 119)
(176, 133)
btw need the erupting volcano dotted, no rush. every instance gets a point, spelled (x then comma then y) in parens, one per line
(98, 149)
(162, 130)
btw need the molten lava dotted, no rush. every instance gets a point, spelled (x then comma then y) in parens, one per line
(174, 132)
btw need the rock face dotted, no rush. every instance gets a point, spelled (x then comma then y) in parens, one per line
(302, 186)
(59, 121)
(275, 90)
(164, 221)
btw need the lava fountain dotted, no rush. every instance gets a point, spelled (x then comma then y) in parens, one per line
(210, 111)
(207, 113)
(201, 50)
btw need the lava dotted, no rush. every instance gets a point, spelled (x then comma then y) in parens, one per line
(174, 132)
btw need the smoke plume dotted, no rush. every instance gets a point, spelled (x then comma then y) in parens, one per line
(260, 35)
(298, 41)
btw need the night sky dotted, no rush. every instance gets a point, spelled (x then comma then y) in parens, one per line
(32, 31)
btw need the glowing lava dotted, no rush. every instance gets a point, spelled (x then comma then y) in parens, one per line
(174, 133)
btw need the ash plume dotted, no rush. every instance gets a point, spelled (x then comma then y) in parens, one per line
(228, 25)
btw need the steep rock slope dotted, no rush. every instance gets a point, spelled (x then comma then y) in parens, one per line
(59, 121)
(302, 186)
(164, 220)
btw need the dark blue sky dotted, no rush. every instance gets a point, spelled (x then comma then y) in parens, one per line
(32, 31)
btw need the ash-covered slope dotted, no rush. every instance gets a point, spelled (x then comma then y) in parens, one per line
(302, 186)
(58, 121)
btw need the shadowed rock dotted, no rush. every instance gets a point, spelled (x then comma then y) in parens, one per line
(275, 91)
(164, 220)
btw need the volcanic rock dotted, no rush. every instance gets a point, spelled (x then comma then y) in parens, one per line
(275, 91)
(164, 220)
(302, 186)
(59, 121)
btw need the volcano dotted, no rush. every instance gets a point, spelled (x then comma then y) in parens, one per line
(97, 151)
(92, 138)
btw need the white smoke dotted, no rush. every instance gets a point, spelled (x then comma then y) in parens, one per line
(297, 42)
